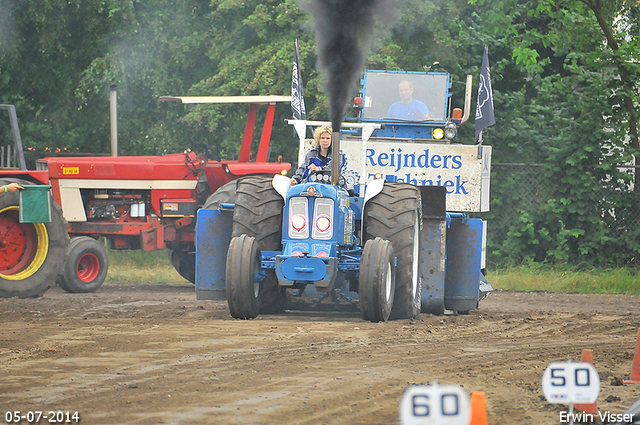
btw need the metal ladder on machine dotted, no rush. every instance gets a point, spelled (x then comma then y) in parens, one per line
(5, 151)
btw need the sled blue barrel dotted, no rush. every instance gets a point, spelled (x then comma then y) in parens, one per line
(213, 235)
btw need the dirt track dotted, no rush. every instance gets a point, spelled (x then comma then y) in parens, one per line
(150, 353)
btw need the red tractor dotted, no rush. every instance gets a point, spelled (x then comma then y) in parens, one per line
(136, 202)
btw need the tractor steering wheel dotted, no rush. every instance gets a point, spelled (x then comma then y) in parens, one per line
(196, 165)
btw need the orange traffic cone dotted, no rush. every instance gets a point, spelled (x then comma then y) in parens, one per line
(592, 408)
(634, 377)
(478, 409)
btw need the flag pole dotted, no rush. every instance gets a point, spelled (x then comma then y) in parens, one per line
(297, 102)
(484, 107)
(486, 49)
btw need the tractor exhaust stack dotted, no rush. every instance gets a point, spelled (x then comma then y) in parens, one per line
(113, 97)
(335, 155)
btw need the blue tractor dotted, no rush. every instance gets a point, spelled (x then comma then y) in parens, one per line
(313, 234)
(387, 241)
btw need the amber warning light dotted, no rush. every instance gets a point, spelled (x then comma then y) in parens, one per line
(457, 115)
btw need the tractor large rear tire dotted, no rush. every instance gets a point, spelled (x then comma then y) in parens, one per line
(224, 194)
(376, 285)
(258, 213)
(396, 215)
(31, 254)
(243, 263)
(183, 257)
(86, 267)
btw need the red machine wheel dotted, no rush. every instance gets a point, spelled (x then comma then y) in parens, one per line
(31, 254)
(19, 242)
(86, 268)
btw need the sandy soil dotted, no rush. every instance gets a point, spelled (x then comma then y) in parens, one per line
(141, 353)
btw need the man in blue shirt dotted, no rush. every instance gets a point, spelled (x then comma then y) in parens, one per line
(407, 108)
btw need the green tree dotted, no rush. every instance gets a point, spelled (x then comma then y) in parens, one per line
(254, 53)
(569, 104)
(155, 48)
(43, 45)
(81, 48)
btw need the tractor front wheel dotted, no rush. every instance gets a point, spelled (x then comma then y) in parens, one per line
(243, 287)
(377, 280)
(258, 213)
(395, 215)
(86, 266)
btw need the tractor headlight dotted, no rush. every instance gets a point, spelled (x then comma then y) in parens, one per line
(299, 216)
(323, 218)
(438, 133)
(298, 222)
(323, 223)
(450, 131)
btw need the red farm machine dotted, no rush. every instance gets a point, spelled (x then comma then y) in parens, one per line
(136, 202)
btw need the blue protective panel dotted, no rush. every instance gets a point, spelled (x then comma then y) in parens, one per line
(321, 272)
(303, 269)
(431, 267)
(356, 204)
(213, 235)
(464, 256)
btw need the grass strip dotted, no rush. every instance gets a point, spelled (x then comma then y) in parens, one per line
(141, 266)
(154, 266)
(565, 279)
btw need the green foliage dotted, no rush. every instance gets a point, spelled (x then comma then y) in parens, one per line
(560, 115)
(147, 49)
(253, 51)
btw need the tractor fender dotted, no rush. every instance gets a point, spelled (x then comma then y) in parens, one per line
(372, 189)
(281, 184)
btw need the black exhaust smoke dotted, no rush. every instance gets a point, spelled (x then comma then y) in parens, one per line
(344, 34)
